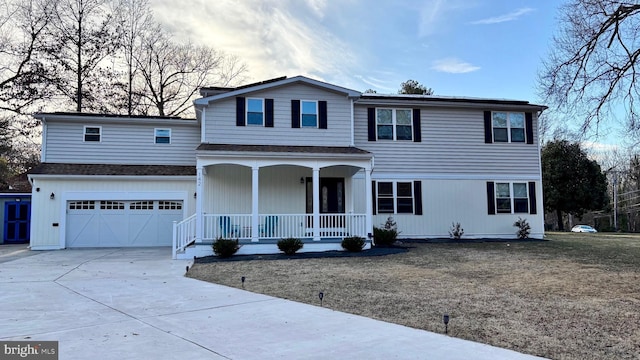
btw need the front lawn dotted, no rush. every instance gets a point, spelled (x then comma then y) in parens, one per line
(576, 296)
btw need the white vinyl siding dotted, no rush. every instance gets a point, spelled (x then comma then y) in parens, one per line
(121, 144)
(452, 200)
(452, 144)
(221, 120)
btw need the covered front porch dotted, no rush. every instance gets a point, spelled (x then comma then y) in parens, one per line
(261, 194)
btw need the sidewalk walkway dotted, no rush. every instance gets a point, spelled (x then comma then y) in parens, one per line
(136, 304)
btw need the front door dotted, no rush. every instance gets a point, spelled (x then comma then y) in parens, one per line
(331, 196)
(16, 221)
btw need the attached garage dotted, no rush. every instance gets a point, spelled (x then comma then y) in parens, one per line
(120, 223)
(105, 205)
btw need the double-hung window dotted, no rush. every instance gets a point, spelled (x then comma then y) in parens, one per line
(162, 136)
(395, 197)
(512, 196)
(255, 111)
(309, 113)
(92, 133)
(394, 124)
(508, 126)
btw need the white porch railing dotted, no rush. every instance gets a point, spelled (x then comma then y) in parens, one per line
(184, 234)
(278, 226)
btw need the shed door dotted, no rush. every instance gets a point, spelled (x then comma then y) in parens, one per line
(16, 221)
(108, 223)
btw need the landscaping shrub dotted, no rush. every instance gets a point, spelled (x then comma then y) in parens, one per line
(524, 229)
(225, 248)
(353, 243)
(456, 231)
(289, 246)
(386, 235)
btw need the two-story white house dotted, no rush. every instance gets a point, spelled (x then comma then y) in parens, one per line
(288, 157)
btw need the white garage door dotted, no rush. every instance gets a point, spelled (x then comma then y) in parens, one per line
(111, 223)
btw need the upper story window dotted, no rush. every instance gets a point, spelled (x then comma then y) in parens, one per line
(162, 136)
(92, 133)
(508, 126)
(394, 124)
(309, 113)
(255, 111)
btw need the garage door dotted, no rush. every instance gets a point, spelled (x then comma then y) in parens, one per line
(96, 223)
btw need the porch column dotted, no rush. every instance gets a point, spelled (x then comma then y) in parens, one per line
(199, 201)
(316, 203)
(369, 203)
(255, 216)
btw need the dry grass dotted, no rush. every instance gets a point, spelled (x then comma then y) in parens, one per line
(573, 297)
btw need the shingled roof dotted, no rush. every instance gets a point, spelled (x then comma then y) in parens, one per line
(112, 169)
(347, 150)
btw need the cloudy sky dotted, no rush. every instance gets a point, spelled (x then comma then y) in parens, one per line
(482, 48)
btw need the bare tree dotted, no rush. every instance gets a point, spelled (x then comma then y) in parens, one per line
(173, 74)
(22, 74)
(591, 70)
(83, 37)
(136, 23)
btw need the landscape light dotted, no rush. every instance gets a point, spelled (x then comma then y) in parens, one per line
(445, 320)
(242, 279)
(321, 296)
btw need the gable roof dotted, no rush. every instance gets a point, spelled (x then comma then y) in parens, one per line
(267, 84)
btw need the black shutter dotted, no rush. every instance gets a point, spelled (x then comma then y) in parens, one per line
(373, 194)
(322, 114)
(491, 202)
(488, 133)
(417, 133)
(371, 120)
(240, 114)
(533, 209)
(268, 112)
(295, 113)
(529, 127)
(417, 197)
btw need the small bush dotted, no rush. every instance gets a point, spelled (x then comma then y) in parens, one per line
(456, 231)
(386, 235)
(524, 229)
(289, 246)
(225, 248)
(353, 243)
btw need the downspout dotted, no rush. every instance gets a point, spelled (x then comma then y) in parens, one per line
(43, 153)
(540, 169)
(352, 126)
(202, 124)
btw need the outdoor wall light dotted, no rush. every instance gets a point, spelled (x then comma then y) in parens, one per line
(301, 180)
(195, 195)
(52, 196)
(445, 320)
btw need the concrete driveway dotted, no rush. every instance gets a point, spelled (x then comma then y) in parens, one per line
(136, 303)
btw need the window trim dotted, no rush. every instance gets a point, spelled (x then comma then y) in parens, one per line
(509, 140)
(512, 202)
(155, 136)
(246, 112)
(395, 197)
(394, 124)
(317, 114)
(84, 134)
